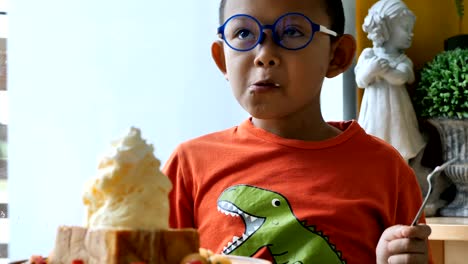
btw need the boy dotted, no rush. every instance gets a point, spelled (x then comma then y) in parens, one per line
(287, 185)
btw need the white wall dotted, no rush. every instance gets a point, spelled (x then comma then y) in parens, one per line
(80, 73)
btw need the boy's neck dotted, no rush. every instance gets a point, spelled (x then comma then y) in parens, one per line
(310, 129)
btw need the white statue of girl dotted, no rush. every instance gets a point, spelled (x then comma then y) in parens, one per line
(383, 71)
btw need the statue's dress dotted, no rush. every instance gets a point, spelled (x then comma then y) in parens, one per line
(387, 111)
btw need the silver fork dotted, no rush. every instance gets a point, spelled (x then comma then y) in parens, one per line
(437, 170)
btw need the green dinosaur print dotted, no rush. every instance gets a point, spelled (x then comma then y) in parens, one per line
(270, 222)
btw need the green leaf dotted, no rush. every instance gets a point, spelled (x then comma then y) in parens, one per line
(442, 89)
(460, 8)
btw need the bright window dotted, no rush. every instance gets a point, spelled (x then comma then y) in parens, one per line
(3, 19)
(4, 221)
(4, 107)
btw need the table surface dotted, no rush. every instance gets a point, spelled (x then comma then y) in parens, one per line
(448, 228)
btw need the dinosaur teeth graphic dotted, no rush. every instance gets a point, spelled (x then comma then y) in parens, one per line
(237, 242)
(252, 224)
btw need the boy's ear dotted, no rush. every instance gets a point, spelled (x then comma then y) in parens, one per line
(217, 52)
(343, 51)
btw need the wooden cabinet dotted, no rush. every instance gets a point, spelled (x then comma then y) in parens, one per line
(449, 239)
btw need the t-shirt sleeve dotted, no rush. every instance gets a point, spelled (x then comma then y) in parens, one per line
(180, 198)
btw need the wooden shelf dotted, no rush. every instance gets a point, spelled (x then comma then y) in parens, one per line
(448, 228)
(449, 239)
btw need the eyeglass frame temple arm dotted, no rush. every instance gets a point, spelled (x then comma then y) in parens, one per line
(328, 31)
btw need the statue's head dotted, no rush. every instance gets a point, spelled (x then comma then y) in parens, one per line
(384, 18)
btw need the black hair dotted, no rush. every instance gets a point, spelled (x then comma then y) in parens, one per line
(334, 10)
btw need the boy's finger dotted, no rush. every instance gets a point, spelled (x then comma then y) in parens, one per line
(407, 246)
(419, 231)
(400, 231)
(408, 258)
(393, 232)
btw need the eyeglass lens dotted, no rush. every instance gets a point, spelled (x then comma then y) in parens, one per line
(292, 31)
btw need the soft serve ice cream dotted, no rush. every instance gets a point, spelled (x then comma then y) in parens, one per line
(129, 190)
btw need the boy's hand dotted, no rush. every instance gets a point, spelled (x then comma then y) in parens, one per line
(404, 244)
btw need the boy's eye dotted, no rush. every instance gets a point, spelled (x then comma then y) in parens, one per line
(244, 34)
(292, 32)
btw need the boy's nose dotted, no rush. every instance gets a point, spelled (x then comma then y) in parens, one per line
(260, 61)
(270, 63)
(266, 56)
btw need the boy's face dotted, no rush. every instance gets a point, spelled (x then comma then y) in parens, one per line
(269, 81)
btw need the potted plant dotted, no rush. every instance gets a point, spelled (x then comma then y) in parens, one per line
(441, 97)
(460, 40)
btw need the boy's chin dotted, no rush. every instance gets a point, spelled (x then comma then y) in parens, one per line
(268, 111)
(262, 113)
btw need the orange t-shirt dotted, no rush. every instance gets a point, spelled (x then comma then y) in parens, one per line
(250, 192)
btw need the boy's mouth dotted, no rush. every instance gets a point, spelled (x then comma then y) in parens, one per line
(264, 85)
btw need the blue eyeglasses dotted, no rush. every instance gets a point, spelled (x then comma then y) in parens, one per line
(292, 31)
